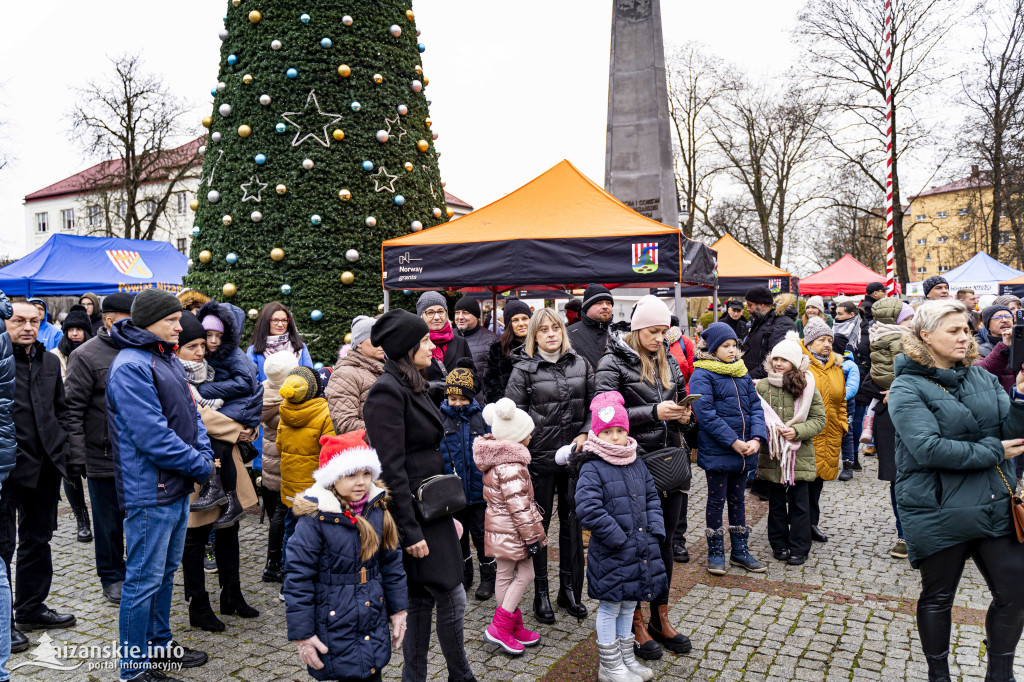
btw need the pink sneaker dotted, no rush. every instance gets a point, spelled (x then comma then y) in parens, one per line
(500, 632)
(522, 635)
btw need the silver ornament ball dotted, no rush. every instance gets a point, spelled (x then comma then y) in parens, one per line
(352, 255)
(215, 137)
(213, 196)
(225, 110)
(256, 216)
(265, 100)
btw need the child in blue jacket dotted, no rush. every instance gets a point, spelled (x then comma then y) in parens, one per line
(731, 430)
(344, 578)
(617, 502)
(852, 375)
(463, 421)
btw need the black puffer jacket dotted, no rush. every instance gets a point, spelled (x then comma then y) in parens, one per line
(498, 371)
(236, 382)
(765, 333)
(8, 438)
(456, 349)
(620, 371)
(590, 338)
(557, 396)
(479, 339)
(85, 389)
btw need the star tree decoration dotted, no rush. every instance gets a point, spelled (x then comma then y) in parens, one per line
(394, 123)
(382, 180)
(309, 120)
(248, 194)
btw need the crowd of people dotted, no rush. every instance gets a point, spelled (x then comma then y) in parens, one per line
(428, 443)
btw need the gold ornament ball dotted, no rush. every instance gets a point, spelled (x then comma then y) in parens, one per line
(230, 290)
(207, 121)
(247, 78)
(338, 134)
(348, 337)
(423, 145)
(253, 313)
(380, 307)
(194, 204)
(344, 70)
(426, 81)
(236, 3)
(244, 131)
(277, 254)
(407, 166)
(255, 16)
(205, 256)
(450, 212)
(344, 194)
(347, 277)
(410, 15)
(428, 121)
(281, 189)
(436, 212)
(378, 79)
(419, 69)
(227, 220)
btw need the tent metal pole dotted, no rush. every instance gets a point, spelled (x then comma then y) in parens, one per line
(683, 322)
(494, 310)
(714, 305)
(387, 300)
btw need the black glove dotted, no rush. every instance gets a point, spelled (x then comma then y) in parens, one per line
(533, 548)
(74, 470)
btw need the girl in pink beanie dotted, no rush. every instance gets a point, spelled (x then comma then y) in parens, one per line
(624, 564)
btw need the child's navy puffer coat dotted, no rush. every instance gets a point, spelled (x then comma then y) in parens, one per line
(322, 590)
(621, 509)
(463, 425)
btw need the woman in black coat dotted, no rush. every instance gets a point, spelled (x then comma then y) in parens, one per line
(499, 359)
(405, 428)
(554, 385)
(640, 368)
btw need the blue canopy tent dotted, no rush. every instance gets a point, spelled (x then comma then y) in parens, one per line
(982, 273)
(70, 265)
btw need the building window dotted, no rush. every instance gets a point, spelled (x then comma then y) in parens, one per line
(150, 208)
(922, 242)
(182, 246)
(943, 268)
(920, 217)
(942, 240)
(122, 210)
(95, 216)
(922, 271)
(182, 202)
(42, 222)
(964, 236)
(942, 214)
(67, 219)
(964, 211)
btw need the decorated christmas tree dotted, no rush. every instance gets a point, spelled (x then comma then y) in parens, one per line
(319, 148)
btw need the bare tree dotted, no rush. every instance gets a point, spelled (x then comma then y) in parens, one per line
(770, 144)
(995, 95)
(844, 43)
(848, 228)
(696, 80)
(135, 124)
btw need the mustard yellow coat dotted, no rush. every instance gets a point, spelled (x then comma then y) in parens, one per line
(831, 384)
(298, 444)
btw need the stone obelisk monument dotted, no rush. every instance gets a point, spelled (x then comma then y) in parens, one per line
(638, 156)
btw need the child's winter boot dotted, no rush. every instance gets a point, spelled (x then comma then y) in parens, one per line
(500, 632)
(740, 554)
(716, 551)
(612, 668)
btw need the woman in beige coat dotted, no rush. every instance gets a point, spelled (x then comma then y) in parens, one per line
(276, 368)
(352, 378)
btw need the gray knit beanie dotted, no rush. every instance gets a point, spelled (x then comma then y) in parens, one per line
(361, 326)
(814, 328)
(431, 298)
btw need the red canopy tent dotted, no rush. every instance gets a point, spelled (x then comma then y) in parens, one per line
(846, 276)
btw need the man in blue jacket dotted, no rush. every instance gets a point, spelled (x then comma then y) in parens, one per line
(160, 450)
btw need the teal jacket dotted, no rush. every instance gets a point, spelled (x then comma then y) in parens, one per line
(949, 424)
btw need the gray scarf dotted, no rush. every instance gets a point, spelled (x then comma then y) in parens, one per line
(198, 373)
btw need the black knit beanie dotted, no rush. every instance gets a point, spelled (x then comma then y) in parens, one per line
(120, 302)
(594, 294)
(191, 329)
(153, 305)
(470, 305)
(932, 282)
(515, 307)
(398, 332)
(77, 319)
(760, 294)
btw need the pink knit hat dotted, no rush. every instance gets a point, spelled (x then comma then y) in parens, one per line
(650, 311)
(607, 411)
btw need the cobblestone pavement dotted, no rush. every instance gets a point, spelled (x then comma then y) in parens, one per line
(847, 614)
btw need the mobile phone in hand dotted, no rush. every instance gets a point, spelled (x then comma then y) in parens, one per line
(689, 400)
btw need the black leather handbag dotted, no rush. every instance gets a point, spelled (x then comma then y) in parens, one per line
(670, 469)
(247, 451)
(439, 496)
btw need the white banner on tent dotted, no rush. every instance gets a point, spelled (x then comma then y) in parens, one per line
(916, 289)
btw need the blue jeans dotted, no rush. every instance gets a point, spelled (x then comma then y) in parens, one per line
(857, 426)
(849, 445)
(5, 612)
(156, 541)
(614, 620)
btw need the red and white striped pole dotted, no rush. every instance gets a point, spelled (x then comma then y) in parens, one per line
(890, 274)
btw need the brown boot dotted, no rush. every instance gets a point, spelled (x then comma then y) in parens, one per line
(663, 632)
(644, 647)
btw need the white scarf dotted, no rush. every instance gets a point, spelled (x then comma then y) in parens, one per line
(779, 447)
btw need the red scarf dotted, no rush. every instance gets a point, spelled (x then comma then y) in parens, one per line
(441, 339)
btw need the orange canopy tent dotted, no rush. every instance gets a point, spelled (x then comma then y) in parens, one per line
(558, 230)
(846, 276)
(739, 268)
(1014, 287)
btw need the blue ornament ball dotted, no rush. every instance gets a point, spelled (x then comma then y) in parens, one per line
(421, 47)
(316, 316)
(318, 366)
(367, 166)
(326, 43)
(292, 73)
(286, 289)
(213, 92)
(231, 258)
(406, 292)
(304, 18)
(315, 219)
(195, 231)
(260, 159)
(232, 59)
(280, 127)
(356, 106)
(399, 200)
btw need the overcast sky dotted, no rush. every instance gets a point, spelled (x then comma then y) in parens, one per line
(516, 86)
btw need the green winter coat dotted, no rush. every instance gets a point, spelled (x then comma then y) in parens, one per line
(885, 349)
(949, 424)
(782, 402)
